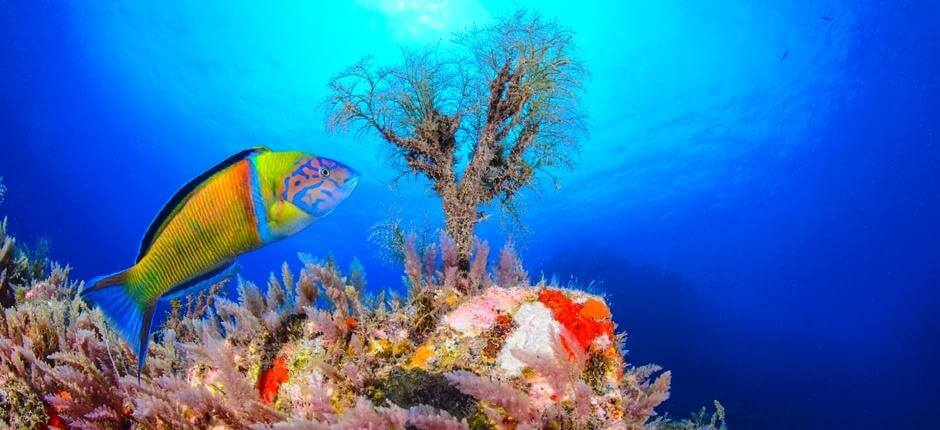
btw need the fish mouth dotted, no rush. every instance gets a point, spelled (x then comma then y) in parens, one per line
(351, 183)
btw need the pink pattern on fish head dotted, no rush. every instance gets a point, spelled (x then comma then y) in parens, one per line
(318, 185)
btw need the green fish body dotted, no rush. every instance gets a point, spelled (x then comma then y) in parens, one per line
(251, 199)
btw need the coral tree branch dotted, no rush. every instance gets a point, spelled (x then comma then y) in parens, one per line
(503, 105)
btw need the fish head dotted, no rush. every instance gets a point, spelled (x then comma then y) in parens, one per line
(317, 185)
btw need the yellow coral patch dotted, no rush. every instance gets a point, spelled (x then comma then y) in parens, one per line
(528, 374)
(378, 346)
(422, 356)
(452, 299)
(401, 348)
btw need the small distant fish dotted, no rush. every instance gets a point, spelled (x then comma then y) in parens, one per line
(785, 55)
(827, 18)
(251, 199)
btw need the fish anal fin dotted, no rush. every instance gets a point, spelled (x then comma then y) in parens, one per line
(202, 282)
(182, 196)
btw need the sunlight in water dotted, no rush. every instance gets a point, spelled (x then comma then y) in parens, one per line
(427, 19)
(683, 98)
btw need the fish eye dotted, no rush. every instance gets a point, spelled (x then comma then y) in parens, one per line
(324, 172)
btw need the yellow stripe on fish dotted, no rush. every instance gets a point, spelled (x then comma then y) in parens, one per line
(216, 224)
(251, 199)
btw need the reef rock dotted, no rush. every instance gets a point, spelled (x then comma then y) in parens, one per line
(314, 351)
(556, 345)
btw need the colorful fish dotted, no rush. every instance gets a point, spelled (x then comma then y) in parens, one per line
(251, 199)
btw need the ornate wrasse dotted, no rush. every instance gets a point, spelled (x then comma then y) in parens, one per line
(251, 199)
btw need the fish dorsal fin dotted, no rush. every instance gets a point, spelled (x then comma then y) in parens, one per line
(179, 199)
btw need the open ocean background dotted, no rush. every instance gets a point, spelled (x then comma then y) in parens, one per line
(758, 197)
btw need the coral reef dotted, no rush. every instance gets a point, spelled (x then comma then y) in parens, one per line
(313, 351)
(19, 266)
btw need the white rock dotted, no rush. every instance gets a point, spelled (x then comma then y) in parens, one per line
(535, 334)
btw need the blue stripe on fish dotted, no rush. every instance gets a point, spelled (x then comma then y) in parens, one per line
(257, 198)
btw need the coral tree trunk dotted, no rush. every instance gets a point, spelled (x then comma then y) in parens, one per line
(459, 220)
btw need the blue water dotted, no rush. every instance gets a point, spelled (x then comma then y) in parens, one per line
(758, 196)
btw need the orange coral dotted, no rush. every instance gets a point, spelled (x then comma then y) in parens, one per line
(55, 421)
(65, 395)
(270, 380)
(595, 309)
(422, 356)
(586, 321)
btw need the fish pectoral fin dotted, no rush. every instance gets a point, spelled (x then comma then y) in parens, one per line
(285, 219)
(131, 317)
(284, 212)
(200, 283)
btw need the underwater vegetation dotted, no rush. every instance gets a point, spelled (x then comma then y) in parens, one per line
(479, 121)
(314, 351)
(19, 266)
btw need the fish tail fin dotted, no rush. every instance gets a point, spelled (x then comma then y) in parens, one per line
(130, 315)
